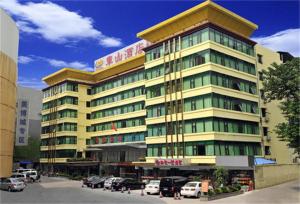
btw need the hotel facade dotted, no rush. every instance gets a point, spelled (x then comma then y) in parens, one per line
(188, 96)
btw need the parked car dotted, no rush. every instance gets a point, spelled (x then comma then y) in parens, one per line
(152, 187)
(21, 170)
(99, 182)
(12, 184)
(33, 175)
(87, 181)
(108, 182)
(127, 183)
(169, 185)
(22, 177)
(191, 189)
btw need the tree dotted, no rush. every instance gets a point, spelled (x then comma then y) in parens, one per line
(281, 82)
(29, 152)
(220, 176)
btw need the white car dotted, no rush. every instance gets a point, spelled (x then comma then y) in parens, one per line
(32, 174)
(152, 187)
(12, 184)
(20, 176)
(191, 189)
(108, 182)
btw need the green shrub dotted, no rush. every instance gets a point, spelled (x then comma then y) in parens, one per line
(237, 186)
(224, 189)
(218, 191)
(220, 176)
(211, 193)
(232, 189)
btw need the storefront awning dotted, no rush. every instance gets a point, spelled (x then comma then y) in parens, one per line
(262, 161)
(138, 145)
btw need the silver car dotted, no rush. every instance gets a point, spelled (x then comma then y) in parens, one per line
(11, 184)
(20, 176)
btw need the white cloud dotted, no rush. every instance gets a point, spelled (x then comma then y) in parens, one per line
(24, 59)
(286, 40)
(31, 82)
(75, 64)
(110, 42)
(56, 23)
(56, 63)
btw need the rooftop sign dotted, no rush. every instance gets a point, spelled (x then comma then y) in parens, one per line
(121, 55)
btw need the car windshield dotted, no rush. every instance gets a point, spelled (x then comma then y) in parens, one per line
(14, 180)
(154, 182)
(191, 185)
(166, 182)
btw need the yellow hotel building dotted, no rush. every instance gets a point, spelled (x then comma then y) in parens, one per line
(193, 95)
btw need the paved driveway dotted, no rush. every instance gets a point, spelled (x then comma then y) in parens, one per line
(60, 190)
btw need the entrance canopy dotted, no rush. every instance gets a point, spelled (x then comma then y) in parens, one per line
(262, 161)
(138, 145)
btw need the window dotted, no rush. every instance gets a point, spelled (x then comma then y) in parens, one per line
(265, 131)
(88, 104)
(262, 94)
(260, 75)
(201, 150)
(260, 58)
(88, 116)
(194, 127)
(263, 112)
(267, 150)
(193, 105)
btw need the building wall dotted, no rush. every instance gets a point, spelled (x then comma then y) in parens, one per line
(35, 107)
(278, 149)
(240, 48)
(270, 175)
(9, 40)
(80, 120)
(205, 113)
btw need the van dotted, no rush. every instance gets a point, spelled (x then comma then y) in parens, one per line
(32, 174)
(169, 185)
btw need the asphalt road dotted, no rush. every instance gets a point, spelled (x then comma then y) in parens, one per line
(60, 190)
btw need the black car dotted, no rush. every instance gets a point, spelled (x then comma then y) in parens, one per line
(98, 183)
(169, 185)
(126, 183)
(87, 181)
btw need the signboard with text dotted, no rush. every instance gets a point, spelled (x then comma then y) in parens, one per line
(22, 123)
(204, 186)
(121, 55)
(171, 162)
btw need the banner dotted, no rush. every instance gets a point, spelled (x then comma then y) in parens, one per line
(22, 123)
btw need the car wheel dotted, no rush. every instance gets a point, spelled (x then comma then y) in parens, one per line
(99, 186)
(21, 189)
(148, 193)
(198, 194)
(32, 180)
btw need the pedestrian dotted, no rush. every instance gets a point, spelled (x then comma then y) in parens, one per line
(177, 193)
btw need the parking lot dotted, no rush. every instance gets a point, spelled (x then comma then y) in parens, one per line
(61, 190)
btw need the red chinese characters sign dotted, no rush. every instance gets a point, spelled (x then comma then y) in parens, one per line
(121, 55)
(169, 162)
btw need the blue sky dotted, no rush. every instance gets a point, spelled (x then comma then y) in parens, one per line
(71, 33)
